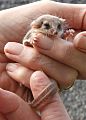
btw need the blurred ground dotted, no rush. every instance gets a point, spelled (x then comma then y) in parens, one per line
(11, 3)
(75, 98)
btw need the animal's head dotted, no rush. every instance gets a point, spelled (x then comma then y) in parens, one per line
(50, 24)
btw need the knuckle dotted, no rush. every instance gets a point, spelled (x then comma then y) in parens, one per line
(70, 78)
(67, 53)
(67, 79)
(33, 59)
(38, 61)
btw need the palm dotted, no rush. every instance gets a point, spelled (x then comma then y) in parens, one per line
(5, 81)
(13, 32)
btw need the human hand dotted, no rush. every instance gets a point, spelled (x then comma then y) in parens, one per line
(67, 50)
(13, 26)
(64, 75)
(68, 54)
(14, 108)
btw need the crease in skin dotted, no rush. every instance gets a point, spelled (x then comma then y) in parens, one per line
(4, 81)
(12, 27)
(83, 20)
(3, 58)
(22, 26)
(9, 32)
(77, 13)
(13, 111)
(2, 42)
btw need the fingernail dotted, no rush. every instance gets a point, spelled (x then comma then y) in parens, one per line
(11, 67)
(13, 48)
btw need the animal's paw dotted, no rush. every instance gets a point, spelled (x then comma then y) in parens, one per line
(69, 35)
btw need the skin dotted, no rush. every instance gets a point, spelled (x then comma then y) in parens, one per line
(14, 108)
(34, 60)
(14, 32)
(43, 27)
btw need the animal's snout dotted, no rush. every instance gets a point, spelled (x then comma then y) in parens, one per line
(53, 31)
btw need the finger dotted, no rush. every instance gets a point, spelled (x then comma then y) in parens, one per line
(14, 108)
(19, 73)
(62, 51)
(54, 109)
(33, 60)
(80, 41)
(7, 83)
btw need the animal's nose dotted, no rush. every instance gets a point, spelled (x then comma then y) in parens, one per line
(53, 31)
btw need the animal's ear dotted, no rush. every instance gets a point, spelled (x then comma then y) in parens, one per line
(36, 24)
(64, 23)
(62, 20)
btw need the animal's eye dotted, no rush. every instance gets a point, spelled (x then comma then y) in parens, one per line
(46, 25)
(41, 22)
(59, 26)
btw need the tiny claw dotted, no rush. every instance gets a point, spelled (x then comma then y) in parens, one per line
(35, 41)
(27, 43)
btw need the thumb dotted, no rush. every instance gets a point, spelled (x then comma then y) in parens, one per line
(80, 41)
(54, 109)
